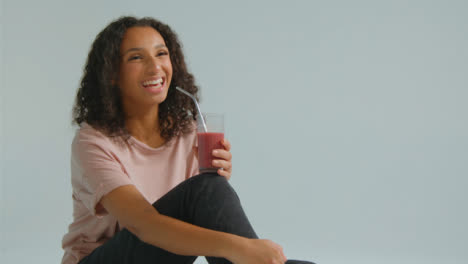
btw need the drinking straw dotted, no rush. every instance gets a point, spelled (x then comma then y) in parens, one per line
(198, 107)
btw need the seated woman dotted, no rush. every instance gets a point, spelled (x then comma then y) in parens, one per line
(138, 196)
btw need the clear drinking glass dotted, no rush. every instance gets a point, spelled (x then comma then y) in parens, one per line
(210, 140)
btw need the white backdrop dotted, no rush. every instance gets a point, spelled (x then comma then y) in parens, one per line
(348, 119)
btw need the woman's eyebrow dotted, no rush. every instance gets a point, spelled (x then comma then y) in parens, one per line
(138, 49)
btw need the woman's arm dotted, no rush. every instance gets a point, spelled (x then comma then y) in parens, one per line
(137, 215)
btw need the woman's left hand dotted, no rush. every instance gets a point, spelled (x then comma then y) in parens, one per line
(223, 159)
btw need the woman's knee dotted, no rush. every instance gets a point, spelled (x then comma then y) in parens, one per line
(211, 183)
(208, 179)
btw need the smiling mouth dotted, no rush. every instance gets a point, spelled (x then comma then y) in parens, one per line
(154, 84)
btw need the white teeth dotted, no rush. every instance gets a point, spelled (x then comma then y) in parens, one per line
(153, 82)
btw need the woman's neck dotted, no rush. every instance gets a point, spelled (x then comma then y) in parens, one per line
(144, 126)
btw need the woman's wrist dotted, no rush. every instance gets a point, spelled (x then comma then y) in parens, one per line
(234, 246)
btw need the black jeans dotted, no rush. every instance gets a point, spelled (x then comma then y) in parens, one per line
(205, 200)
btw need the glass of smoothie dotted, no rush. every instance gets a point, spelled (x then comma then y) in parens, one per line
(210, 139)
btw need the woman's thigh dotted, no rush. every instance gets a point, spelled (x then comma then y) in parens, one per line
(205, 200)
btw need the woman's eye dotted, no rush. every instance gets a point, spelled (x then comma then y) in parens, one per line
(162, 53)
(135, 57)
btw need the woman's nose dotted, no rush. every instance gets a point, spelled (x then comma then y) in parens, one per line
(153, 66)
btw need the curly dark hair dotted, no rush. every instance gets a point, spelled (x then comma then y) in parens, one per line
(98, 100)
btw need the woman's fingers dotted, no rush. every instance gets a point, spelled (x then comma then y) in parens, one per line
(226, 144)
(224, 173)
(283, 256)
(223, 160)
(225, 168)
(222, 154)
(226, 165)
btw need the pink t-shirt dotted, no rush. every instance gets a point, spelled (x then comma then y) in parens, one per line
(100, 164)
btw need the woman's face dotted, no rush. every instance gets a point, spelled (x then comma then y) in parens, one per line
(145, 68)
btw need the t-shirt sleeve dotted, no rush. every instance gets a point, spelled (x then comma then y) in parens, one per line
(96, 170)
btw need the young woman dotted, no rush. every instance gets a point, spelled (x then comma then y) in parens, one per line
(138, 196)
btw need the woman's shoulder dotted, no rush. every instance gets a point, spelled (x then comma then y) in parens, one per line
(85, 131)
(86, 136)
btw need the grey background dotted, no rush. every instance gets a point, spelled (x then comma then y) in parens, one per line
(348, 119)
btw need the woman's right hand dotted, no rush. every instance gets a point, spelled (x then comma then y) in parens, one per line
(258, 251)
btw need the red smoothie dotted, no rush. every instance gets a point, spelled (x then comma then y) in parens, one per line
(207, 142)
